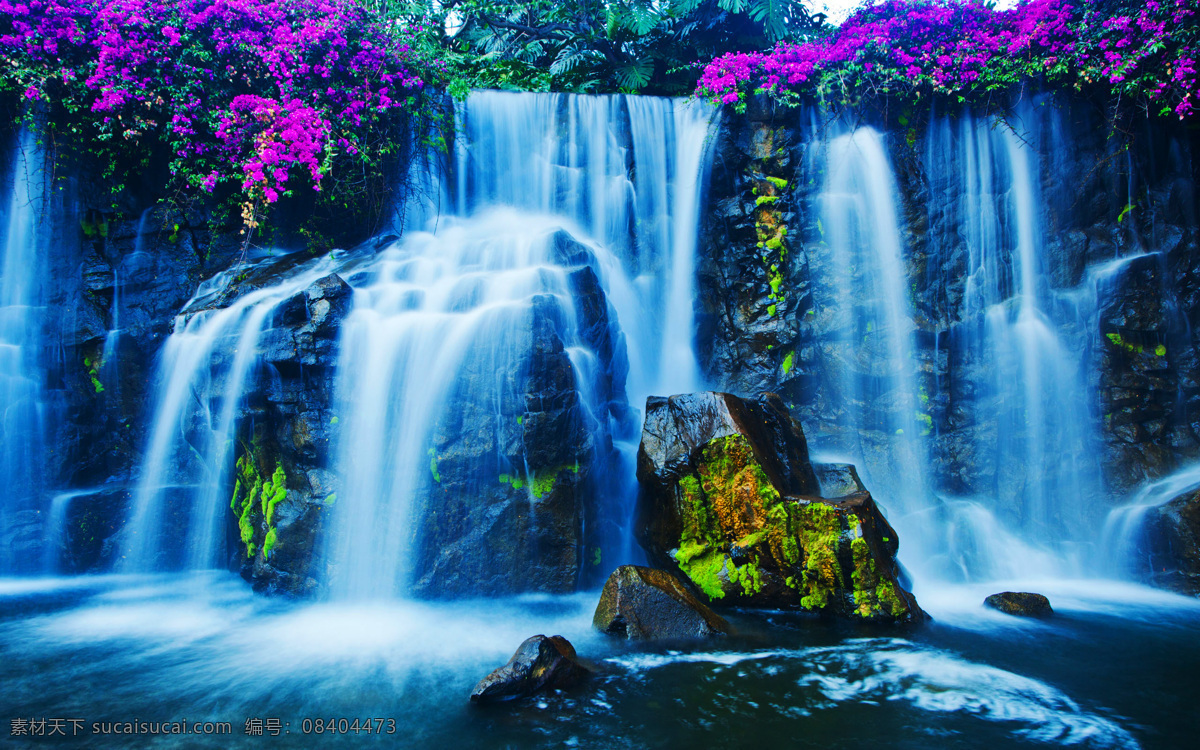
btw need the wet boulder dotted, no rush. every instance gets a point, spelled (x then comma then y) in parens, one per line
(1020, 603)
(540, 663)
(647, 604)
(731, 502)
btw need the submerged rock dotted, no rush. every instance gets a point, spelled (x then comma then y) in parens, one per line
(646, 604)
(1173, 537)
(1020, 603)
(540, 663)
(730, 501)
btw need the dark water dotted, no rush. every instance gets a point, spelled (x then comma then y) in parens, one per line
(1116, 667)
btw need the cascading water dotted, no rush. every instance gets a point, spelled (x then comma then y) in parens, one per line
(441, 321)
(1124, 535)
(21, 317)
(179, 505)
(1017, 346)
(873, 366)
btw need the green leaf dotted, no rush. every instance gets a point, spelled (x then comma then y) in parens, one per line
(635, 75)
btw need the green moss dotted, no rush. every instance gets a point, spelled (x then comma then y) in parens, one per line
(596, 557)
(774, 243)
(93, 368)
(269, 544)
(776, 281)
(703, 565)
(1116, 340)
(767, 199)
(542, 483)
(433, 466)
(771, 309)
(521, 420)
(787, 363)
(334, 420)
(778, 182)
(874, 595)
(926, 423)
(1160, 350)
(747, 576)
(273, 492)
(818, 530)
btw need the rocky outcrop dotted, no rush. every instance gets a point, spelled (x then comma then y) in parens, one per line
(283, 492)
(1173, 544)
(640, 603)
(730, 501)
(516, 476)
(539, 664)
(1020, 603)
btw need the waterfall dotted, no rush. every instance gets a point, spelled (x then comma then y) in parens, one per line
(1019, 351)
(180, 502)
(21, 321)
(1123, 537)
(434, 344)
(558, 199)
(870, 369)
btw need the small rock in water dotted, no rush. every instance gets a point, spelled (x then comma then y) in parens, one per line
(540, 663)
(647, 604)
(1020, 603)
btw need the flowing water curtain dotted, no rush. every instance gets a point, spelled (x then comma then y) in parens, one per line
(180, 503)
(1018, 349)
(871, 370)
(22, 312)
(617, 180)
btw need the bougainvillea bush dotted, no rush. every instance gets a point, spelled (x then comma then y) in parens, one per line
(261, 95)
(1143, 51)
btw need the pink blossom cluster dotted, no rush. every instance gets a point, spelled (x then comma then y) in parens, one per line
(968, 49)
(256, 90)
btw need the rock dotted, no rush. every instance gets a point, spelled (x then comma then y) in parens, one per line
(540, 663)
(1173, 540)
(838, 480)
(730, 502)
(647, 604)
(1020, 603)
(676, 427)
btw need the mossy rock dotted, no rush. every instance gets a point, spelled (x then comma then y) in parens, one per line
(730, 502)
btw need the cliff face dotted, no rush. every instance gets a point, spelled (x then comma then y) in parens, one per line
(1049, 264)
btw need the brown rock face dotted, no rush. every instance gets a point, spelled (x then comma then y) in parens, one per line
(647, 604)
(540, 663)
(1020, 603)
(731, 502)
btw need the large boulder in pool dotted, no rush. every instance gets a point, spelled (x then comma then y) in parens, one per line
(647, 604)
(540, 663)
(1173, 543)
(730, 501)
(1020, 603)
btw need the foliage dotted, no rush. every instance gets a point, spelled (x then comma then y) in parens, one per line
(967, 49)
(265, 95)
(619, 45)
